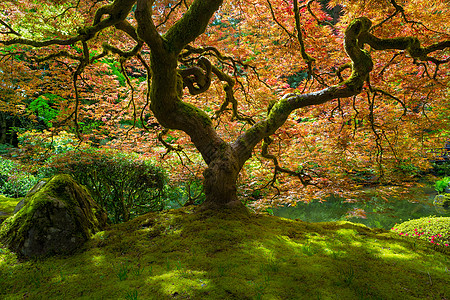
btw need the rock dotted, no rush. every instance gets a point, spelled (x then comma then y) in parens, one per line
(30, 193)
(2, 216)
(442, 202)
(56, 217)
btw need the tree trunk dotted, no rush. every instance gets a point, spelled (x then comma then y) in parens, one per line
(3, 128)
(220, 181)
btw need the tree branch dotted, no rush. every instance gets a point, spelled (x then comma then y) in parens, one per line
(191, 25)
(11, 31)
(361, 67)
(306, 57)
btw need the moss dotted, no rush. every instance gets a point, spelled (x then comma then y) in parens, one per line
(442, 200)
(191, 254)
(15, 228)
(281, 107)
(7, 206)
(191, 110)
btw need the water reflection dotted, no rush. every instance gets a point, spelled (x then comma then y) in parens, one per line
(375, 213)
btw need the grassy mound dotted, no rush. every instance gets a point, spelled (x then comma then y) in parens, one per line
(188, 254)
(435, 230)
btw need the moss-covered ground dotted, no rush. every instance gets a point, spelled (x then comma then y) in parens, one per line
(188, 254)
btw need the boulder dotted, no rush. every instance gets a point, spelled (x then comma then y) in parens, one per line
(442, 202)
(57, 216)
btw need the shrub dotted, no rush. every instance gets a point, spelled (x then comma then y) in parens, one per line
(124, 184)
(442, 168)
(42, 107)
(5, 149)
(436, 230)
(441, 185)
(14, 182)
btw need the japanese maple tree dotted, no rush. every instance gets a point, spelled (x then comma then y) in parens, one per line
(337, 97)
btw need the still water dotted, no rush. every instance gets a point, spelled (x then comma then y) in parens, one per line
(374, 212)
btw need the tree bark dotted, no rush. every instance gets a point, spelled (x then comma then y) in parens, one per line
(3, 128)
(220, 180)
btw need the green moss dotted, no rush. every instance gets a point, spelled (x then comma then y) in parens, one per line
(15, 228)
(281, 107)
(189, 254)
(7, 205)
(193, 111)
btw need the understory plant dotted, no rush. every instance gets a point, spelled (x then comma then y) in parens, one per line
(441, 185)
(435, 230)
(14, 182)
(124, 184)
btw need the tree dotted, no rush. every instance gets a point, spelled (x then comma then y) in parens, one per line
(377, 62)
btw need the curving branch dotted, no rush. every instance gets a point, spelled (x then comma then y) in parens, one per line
(320, 22)
(400, 10)
(197, 79)
(272, 12)
(356, 35)
(167, 16)
(376, 90)
(229, 97)
(411, 44)
(361, 67)
(169, 147)
(146, 29)
(117, 12)
(229, 82)
(305, 177)
(306, 57)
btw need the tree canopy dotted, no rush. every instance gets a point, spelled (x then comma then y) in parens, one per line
(328, 102)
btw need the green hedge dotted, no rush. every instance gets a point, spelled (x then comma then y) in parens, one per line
(125, 185)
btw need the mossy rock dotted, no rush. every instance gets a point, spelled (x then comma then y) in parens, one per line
(57, 218)
(432, 229)
(442, 203)
(30, 193)
(442, 200)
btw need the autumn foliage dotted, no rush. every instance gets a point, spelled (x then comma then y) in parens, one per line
(289, 100)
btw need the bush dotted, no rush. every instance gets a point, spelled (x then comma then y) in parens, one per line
(432, 229)
(125, 185)
(441, 185)
(442, 168)
(14, 182)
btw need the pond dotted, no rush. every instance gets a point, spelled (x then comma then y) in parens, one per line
(374, 212)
